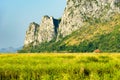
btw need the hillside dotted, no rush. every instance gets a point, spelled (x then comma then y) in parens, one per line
(84, 27)
(104, 36)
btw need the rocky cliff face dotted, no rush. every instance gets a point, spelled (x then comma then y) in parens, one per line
(31, 34)
(76, 13)
(45, 32)
(48, 29)
(79, 11)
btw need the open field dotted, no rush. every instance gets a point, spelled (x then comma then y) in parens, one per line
(60, 66)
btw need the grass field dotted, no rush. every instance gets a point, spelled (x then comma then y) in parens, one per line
(60, 66)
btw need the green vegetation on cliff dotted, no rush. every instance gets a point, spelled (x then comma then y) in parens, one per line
(103, 35)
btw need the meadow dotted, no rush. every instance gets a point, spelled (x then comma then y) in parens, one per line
(61, 66)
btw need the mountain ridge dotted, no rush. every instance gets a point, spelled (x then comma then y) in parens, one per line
(10, 50)
(83, 19)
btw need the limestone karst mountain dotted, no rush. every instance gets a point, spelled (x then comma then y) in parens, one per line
(79, 11)
(84, 19)
(45, 32)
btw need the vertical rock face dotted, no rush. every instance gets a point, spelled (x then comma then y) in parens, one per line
(45, 32)
(31, 34)
(47, 29)
(75, 14)
(79, 11)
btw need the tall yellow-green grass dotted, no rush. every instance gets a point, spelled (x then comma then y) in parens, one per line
(61, 66)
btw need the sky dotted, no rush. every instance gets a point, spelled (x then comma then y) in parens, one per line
(16, 15)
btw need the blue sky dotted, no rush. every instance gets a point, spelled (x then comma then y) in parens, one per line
(16, 15)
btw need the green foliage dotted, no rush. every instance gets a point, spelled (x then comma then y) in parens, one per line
(60, 67)
(59, 20)
(105, 42)
(105, 37)
(117, 4)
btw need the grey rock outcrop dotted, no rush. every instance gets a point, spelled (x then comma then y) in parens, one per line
(47, 29)
(31, 34)
(45, 32)
(76, 13)
(79, 11)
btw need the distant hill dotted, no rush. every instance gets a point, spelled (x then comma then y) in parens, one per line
(85, 26)
(9, 50)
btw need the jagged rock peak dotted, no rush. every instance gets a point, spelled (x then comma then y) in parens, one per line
(48, 29)
(79, 11)
(76, 13)
(45, 32)
(31, 34)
